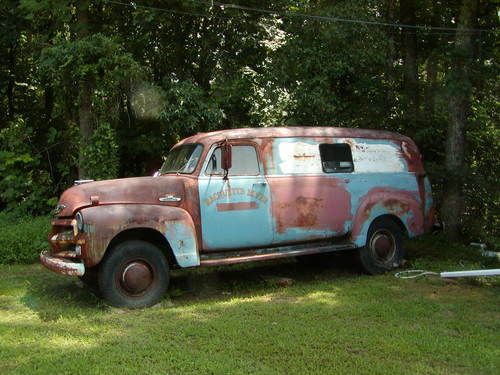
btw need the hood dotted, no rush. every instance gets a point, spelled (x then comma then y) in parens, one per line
(139, 190)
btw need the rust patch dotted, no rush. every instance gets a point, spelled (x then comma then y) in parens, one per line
(266, 154)
(307, 211)
(401, 203)
(61, 265)
(237, 206)
(310, 202)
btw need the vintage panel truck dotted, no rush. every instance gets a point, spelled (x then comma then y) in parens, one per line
(243, 195)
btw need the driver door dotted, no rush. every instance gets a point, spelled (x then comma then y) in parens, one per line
(235, 212)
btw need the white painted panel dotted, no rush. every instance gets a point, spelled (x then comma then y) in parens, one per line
(376, 157)
(299, 157)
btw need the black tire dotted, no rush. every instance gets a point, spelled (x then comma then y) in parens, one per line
(133, 274)
(384, 247)
(89, 278)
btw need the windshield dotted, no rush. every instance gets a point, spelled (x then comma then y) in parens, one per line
(182, 159)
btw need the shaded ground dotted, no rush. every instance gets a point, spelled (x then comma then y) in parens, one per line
(332, 319)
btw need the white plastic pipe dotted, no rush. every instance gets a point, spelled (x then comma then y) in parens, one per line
(493, 272)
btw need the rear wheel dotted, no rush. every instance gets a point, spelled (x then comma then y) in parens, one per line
(384, 247)
(134, 274)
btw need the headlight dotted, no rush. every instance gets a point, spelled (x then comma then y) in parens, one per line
(79, 221)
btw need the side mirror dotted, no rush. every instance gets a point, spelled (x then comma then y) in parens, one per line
(227, 157)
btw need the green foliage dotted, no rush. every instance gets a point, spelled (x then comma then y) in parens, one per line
(22, 237)
(101, 153)
(188, 110)
(156, 77)
(23, 185)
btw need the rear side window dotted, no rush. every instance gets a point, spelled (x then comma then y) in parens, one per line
(244, 163)
(336, 158)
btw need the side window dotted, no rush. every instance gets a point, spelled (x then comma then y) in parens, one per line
(336, 158)
(244, 163)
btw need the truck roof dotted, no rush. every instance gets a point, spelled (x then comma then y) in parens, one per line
(296, 131)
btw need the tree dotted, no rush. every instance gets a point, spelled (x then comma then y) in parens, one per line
(459, 86)
(103, 89)
(410, 63)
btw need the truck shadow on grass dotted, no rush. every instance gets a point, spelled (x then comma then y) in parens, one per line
(212, 283)
(53, 297)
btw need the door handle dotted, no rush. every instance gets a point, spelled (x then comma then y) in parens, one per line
(170, 198)
(261, 183)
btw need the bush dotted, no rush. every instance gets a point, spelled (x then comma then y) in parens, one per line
(22, 238)
(24, 184)
(101, 153)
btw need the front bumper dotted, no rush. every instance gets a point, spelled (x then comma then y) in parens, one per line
(61, 265)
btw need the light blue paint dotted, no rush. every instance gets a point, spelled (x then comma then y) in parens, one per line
(361, 183)
(428, 196)
(183, 244)
(377, 211)
(253, 228)
(358, 185)
(236, 228)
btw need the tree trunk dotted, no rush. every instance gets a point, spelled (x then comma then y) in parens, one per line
(391, 57)
(432, 70)
(459, 91)
(11, 81)
(48, 102)
(86, 88)
(410, 67)
(85, 120)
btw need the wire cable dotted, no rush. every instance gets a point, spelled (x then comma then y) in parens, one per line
(147, 7)
(336, 19)
(408, 28)
(288, 14)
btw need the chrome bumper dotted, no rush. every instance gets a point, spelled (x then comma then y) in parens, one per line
(60, 265)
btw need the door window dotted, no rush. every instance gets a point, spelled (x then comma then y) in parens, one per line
(244, 162)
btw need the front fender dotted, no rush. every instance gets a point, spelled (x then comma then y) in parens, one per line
(103, 223)
(402, 204)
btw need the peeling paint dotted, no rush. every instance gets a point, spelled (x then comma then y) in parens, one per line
(292, 201)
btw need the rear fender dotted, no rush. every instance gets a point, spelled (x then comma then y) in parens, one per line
(405, 205)
(103, 223)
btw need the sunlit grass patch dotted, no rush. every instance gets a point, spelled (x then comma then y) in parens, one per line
(330, 319)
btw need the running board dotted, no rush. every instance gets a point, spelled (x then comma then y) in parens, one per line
(242, 256)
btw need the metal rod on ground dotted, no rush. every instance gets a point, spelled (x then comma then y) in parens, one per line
(412, 274)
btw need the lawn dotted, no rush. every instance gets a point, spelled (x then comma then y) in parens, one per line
(332, 319)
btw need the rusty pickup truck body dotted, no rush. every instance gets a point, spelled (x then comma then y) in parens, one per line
(242, 195)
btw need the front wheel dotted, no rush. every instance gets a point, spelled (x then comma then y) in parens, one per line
(90, 279)
(384, 247)
(134, 274)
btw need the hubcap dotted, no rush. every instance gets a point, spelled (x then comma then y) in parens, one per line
(136, 277)
(383, 246)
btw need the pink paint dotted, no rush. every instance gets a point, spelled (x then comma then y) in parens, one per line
(310, 202)
(395, 201)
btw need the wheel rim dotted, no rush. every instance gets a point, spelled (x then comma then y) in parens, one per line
(136, 277)
(383, 246)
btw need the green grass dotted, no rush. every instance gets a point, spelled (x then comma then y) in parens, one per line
(237, 320)
(22, 237)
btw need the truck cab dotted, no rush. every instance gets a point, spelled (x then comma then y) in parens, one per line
(242, 195)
